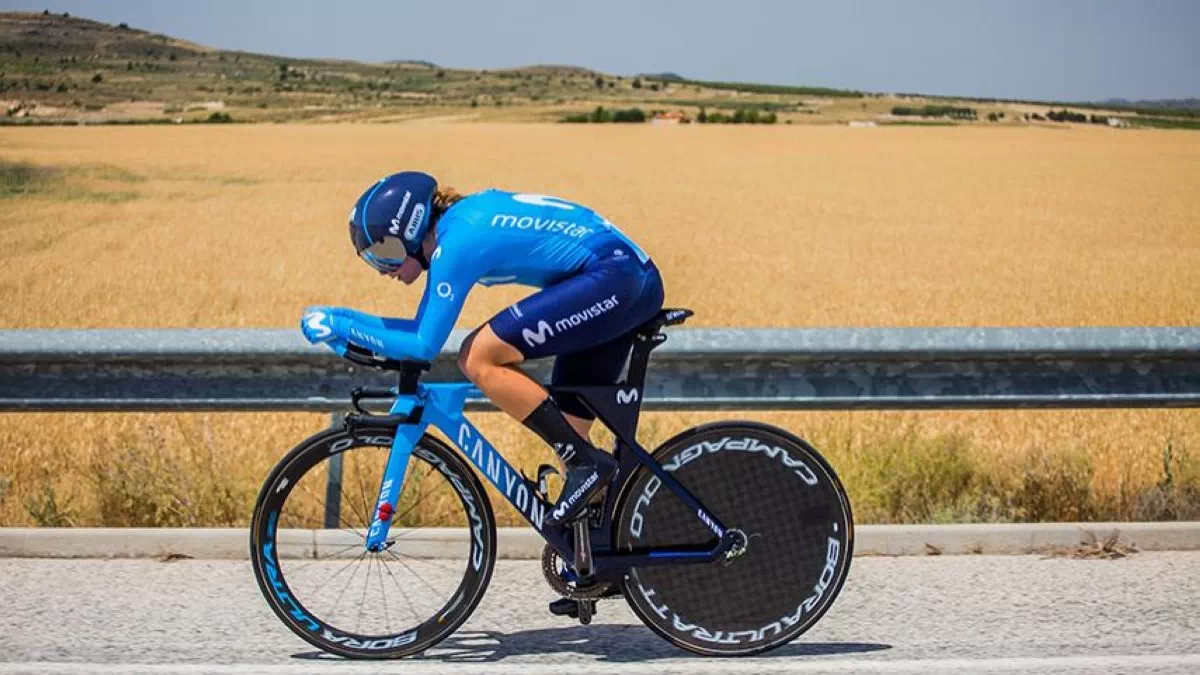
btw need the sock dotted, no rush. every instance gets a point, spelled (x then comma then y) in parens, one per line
(547, 421)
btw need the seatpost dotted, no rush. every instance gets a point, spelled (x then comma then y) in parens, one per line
(640, 358)
(410, 375)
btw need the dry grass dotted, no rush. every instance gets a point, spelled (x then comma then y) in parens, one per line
(787, 226)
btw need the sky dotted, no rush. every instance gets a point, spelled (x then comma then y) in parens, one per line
(1024, 49)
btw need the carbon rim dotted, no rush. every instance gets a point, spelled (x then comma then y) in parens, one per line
(356, 603)
(779, 491)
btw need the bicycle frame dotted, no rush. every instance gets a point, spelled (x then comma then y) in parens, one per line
(618, 407)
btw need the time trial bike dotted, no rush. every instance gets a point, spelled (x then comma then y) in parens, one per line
(730, 538)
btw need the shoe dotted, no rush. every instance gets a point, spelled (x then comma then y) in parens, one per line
(581, 482)
(569, 607)
(565, 607)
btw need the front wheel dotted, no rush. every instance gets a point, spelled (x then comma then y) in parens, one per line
(328, 588)
(776, 491)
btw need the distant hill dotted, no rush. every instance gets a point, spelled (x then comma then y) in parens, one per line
(412, 62)
(664, 77)
(58, 68)
(1177, 103)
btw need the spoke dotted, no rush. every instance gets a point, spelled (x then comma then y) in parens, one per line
(339, 572)
(362, 603)
(365, 509)
(427, 561)
(387, 619)
(333, 611)
(416, 491)
(402, 592)
(436, 594)
(335, 555)
(348, 526)
(362, 491)
(414, 505)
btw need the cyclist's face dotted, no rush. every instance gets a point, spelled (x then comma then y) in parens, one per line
(411, 269)
(409, 272)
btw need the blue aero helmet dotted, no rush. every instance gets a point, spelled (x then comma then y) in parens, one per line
(390, 219)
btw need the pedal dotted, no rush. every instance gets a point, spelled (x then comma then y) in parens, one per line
(587, 609)
(583, 610)
(543, 488)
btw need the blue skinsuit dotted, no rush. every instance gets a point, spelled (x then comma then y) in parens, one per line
(598, 286)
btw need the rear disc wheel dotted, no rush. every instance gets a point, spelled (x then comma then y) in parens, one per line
(784, 501)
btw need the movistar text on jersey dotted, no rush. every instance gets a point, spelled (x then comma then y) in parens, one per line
(547, 225)
(544, 330)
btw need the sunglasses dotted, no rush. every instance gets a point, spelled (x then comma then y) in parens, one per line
(388, 255)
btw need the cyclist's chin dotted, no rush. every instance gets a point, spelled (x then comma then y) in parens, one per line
(409, 272)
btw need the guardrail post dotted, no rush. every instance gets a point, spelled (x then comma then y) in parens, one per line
(333, 484)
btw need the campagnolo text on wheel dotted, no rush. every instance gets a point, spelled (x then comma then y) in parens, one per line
(730, 538)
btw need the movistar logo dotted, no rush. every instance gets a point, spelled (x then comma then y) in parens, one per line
(574, 496)
(317, 328)
(538, 224)
(625, 397)
(539, 338)
(396, 224)
(586, 314)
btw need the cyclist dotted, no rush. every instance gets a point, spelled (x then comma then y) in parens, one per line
(596, 286)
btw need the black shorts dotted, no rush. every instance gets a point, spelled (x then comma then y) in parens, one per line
(586, 321)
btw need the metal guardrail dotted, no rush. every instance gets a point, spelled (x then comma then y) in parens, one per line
(838, 368)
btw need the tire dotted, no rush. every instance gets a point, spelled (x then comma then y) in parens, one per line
(293, 496)
(766, 483)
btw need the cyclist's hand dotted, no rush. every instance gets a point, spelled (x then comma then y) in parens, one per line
(317, 326)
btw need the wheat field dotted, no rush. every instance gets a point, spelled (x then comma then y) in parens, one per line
(243, 226)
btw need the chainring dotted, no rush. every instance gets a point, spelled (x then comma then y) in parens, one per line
(552, 566)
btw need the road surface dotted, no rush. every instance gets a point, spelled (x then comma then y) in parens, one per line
(943, 614)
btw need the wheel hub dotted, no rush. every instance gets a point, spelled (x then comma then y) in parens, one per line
(741, 542)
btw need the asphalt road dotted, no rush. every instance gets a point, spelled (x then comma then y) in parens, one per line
(1022, 614)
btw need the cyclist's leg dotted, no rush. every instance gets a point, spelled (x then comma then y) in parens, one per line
(590, 309)
(492, 364)
(598, 365)
(603, 363)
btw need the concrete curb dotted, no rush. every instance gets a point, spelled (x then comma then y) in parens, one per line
(524, 544)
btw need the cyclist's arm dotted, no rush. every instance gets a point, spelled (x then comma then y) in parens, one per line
(449, 280)
(421, 338)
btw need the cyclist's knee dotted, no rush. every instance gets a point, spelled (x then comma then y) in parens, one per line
(482, 351)
(464, 354)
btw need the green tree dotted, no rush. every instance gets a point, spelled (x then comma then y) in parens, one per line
(702, 117)
(632, 115)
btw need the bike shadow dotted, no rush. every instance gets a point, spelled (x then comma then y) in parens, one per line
(613, 643)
